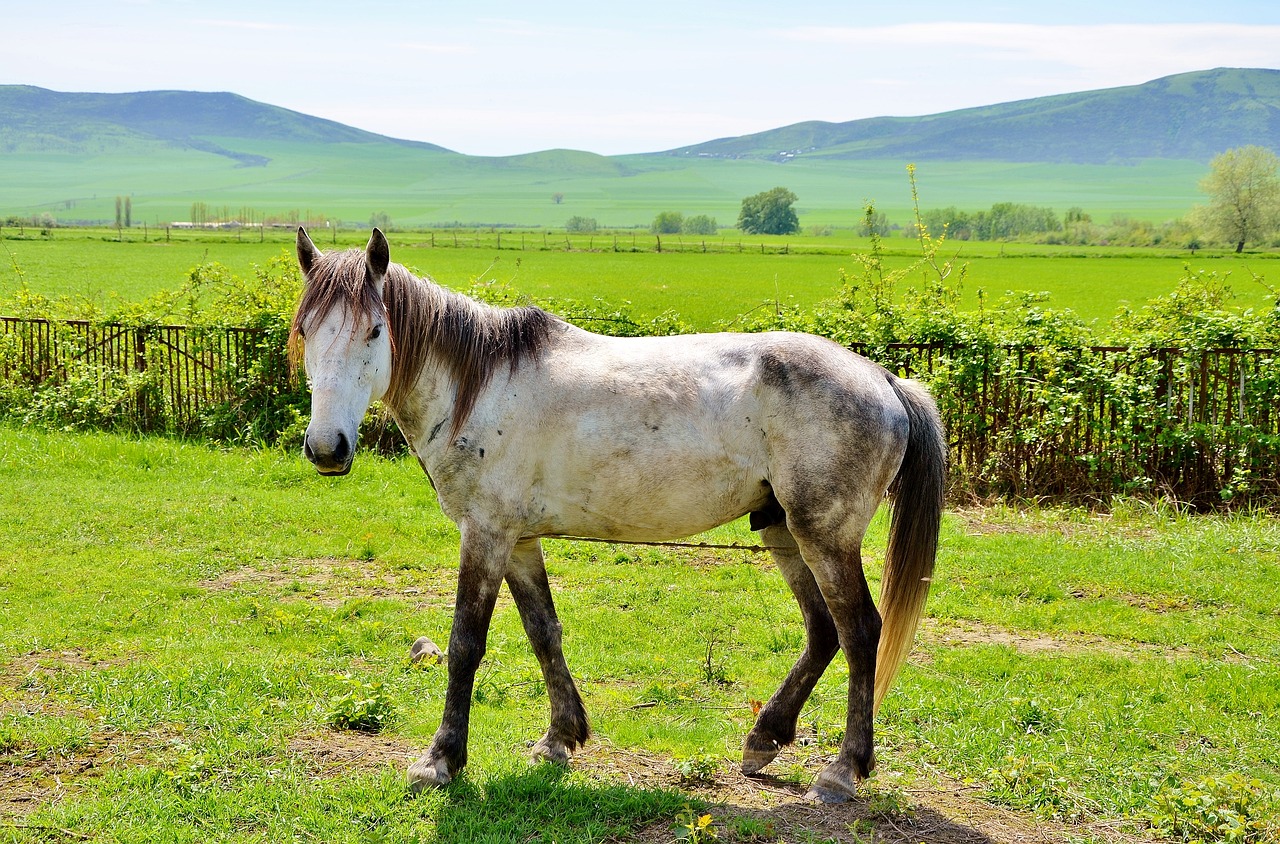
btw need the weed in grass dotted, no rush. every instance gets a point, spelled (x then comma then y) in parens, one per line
(1025, 783)
(366, 707)
(862, 831)
(713, 668)
(696, 770)
(1232, 808)
(1031, 717)
(695, 828)
(887, 801)
(785, 641)
(751, 829)
(808, 836)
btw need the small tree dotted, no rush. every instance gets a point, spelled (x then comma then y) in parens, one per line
(667, 222)
(381, 220)
(128, 212)
(119, 212)
(581, 225)
(769, 212)
(557, 197)
(700, 224)
(1244, 195)
(875, 223)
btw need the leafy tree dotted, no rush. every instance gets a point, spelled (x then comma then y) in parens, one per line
(700, 224)
(769, 212)
(581, 225)
(119, 212)
(1244, 195)
(876, 223)
(557, 197)
(381, 220)
(128, 212)
(667, 222)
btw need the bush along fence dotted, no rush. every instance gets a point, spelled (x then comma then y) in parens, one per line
(1063, 422)
(222, 383)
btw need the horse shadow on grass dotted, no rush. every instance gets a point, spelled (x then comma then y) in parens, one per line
(548, 803)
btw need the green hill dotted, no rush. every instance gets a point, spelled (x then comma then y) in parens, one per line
(38, 120)
(1138, 151)
(1190, 116)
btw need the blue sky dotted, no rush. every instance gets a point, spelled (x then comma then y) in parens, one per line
(503, 77)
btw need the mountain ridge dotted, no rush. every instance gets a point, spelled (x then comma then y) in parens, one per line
(1184, 116)
(70, 122)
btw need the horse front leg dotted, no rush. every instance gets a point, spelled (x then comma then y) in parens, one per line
(527, 579)
(484, 559)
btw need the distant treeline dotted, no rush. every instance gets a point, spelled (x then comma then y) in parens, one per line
(1014, 221)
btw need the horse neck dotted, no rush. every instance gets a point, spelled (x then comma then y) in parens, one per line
(438, 336)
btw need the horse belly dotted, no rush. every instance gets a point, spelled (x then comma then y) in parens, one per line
(654, 494)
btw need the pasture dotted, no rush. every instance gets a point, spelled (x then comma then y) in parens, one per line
(184, 629)
(424, 188)
(708, 290)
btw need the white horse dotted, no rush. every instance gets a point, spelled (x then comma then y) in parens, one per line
(529, 427)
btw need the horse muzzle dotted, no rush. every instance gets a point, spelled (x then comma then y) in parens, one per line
(332, 458)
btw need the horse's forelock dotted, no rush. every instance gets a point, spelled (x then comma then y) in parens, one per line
(339, 279)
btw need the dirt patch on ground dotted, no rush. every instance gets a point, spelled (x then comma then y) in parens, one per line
(775, 809)
(333, 582)
(330, 753)
(952, 633)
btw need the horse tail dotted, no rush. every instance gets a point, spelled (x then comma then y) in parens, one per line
(913, 532)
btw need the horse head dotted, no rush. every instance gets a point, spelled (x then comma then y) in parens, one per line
(341, 324)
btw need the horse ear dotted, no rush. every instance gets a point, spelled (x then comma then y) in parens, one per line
(308, 255)
(377, 256)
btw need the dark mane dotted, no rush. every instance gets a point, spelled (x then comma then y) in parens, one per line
(427, 325)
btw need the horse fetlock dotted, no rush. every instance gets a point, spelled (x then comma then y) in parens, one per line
(431, 771)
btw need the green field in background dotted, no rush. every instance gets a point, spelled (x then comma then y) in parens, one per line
(708, 290)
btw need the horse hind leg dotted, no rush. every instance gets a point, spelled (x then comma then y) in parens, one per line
(569, 729)
(839, 576)
(775, 726)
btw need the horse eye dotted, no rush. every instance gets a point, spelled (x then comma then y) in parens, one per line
(376, 332)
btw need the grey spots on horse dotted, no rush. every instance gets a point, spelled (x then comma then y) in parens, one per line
(481, 453)
(436, 429)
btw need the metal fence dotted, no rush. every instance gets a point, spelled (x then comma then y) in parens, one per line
(1023, 422)
(189, 370)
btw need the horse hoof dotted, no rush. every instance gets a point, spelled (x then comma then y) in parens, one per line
(757, 754)
(834, 784)
(547, 750)
(823, 795)
(428, 773)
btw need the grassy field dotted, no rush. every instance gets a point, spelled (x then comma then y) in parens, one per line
(708, 290)
(179, 633)
(417, 187)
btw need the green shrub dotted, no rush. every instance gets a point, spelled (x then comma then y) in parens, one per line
(1231, 808)
(365, 707)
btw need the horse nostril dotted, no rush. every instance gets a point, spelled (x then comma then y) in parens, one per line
(306, 450)
(342, 452)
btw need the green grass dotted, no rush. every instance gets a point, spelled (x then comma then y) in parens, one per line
(178, 623)
(416, 187)
(709, 290)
